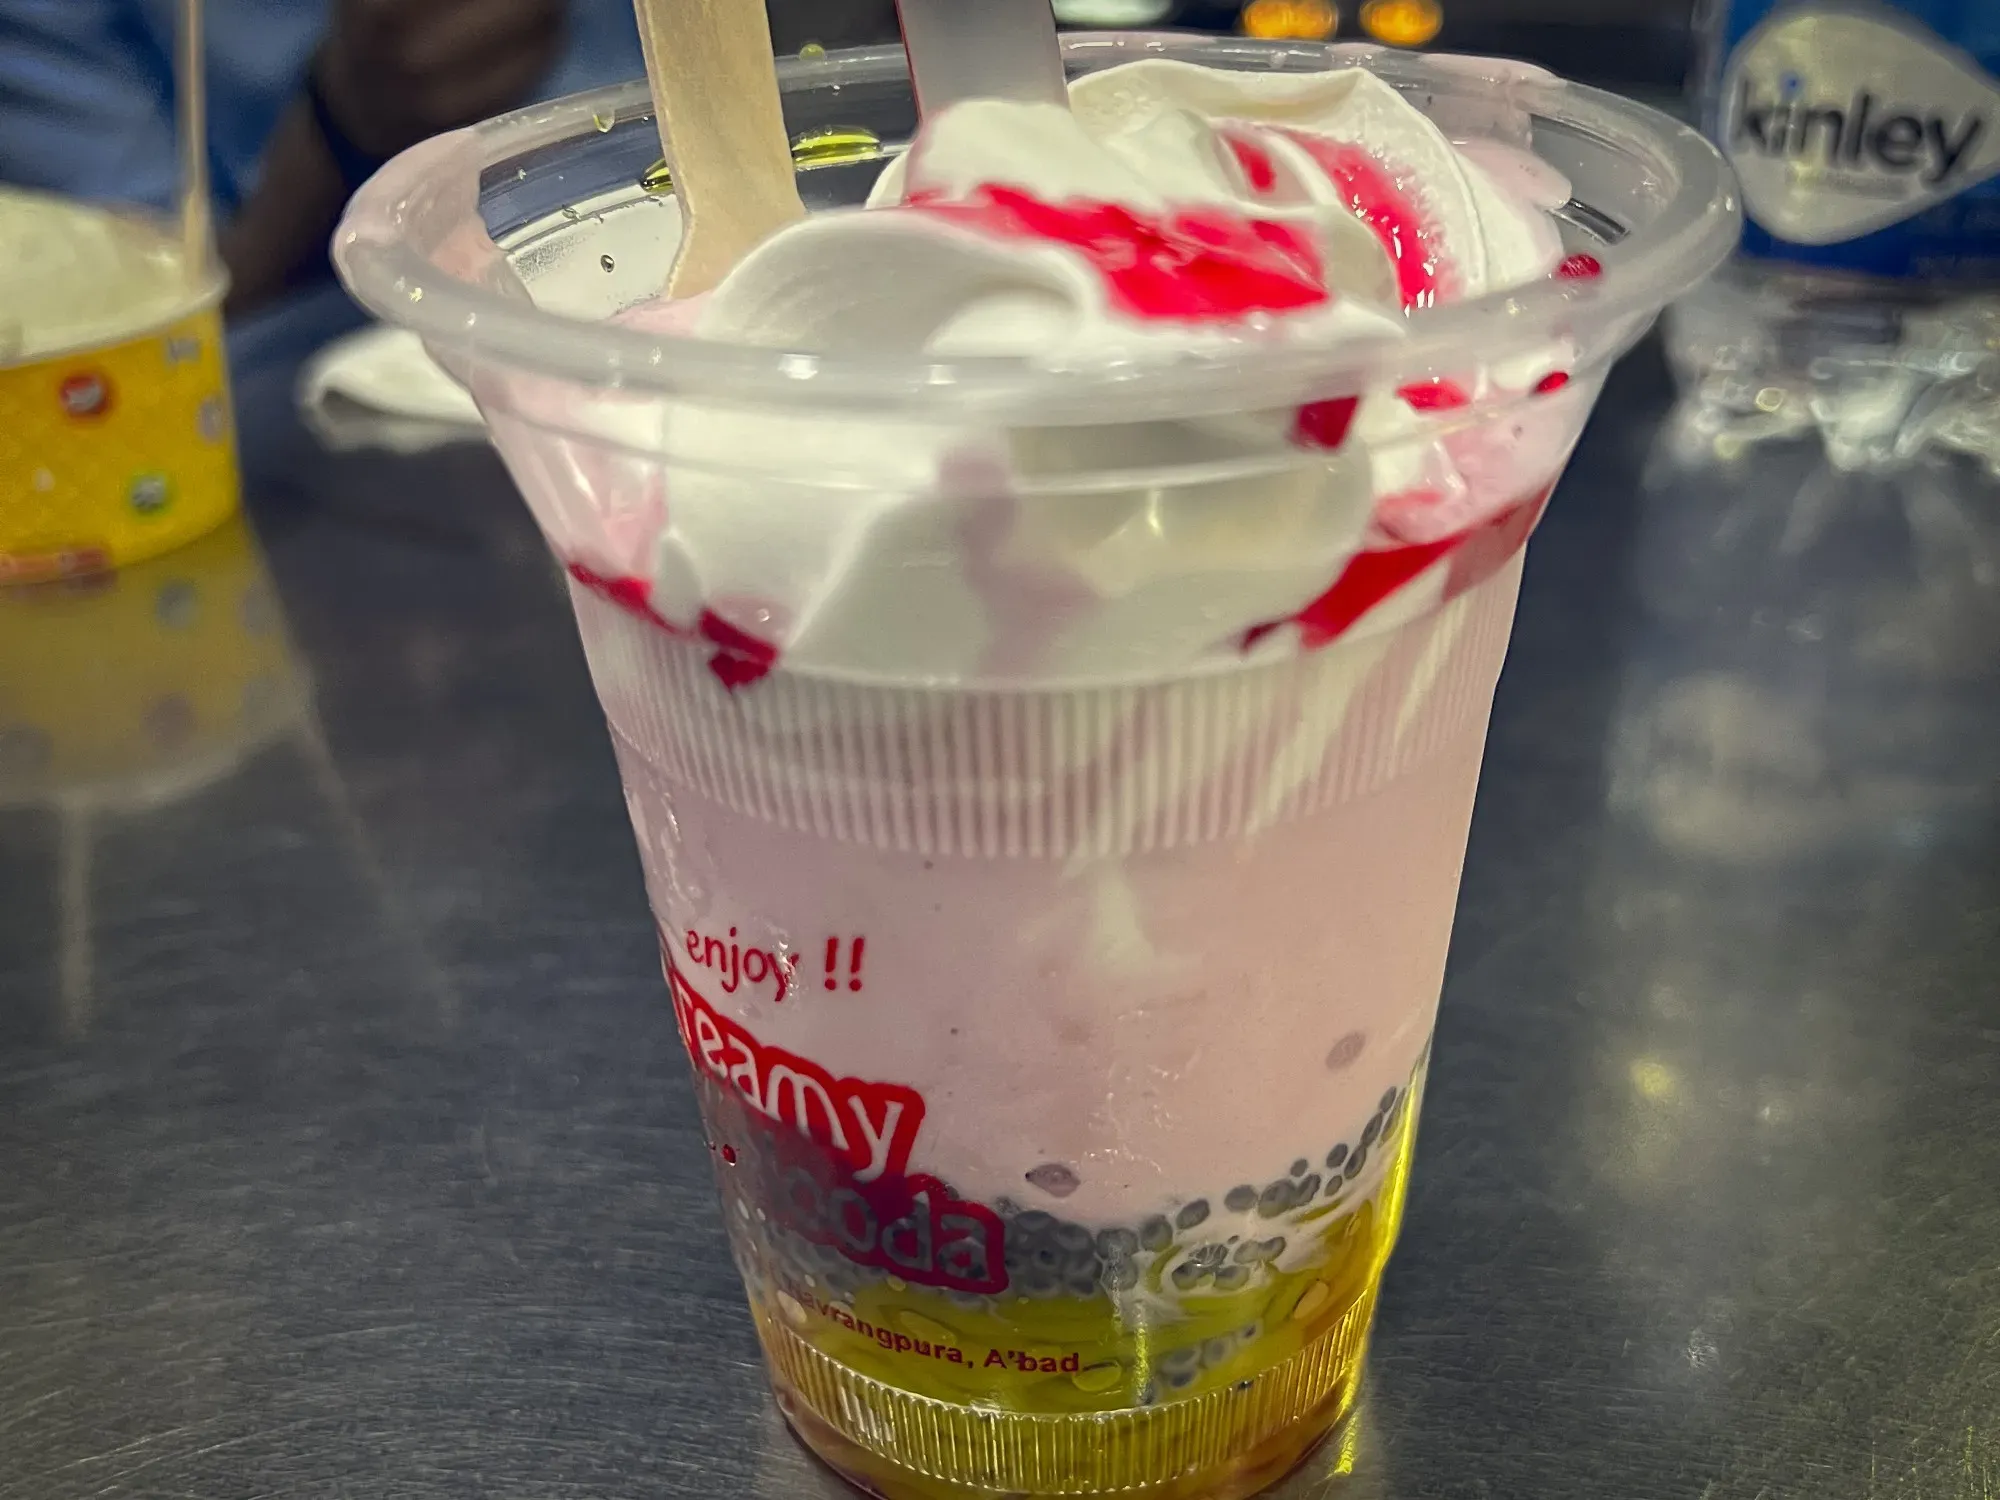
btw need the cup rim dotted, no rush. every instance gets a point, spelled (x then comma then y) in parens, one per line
(377, 253)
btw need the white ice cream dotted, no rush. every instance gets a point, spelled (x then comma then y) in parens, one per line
(77, 275)
(1173, 210)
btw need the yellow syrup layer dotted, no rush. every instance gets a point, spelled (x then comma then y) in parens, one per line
(1154, 1393)
(1166, 1335)
(1075, 1355)
(1229, 1442)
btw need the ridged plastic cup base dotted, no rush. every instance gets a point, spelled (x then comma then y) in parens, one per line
(1227, 1445)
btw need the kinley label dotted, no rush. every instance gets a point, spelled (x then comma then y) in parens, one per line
(830, 1158)
(1844, 119)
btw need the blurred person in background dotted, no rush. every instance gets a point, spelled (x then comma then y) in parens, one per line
(306, 97)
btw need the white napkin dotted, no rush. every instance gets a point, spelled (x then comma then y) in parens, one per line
(379, 388)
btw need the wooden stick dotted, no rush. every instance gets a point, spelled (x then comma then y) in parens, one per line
(715, 90)
(197, 228)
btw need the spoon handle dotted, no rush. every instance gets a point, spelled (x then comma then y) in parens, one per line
(983, 49)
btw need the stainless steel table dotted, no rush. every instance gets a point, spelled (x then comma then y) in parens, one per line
(346, 1148)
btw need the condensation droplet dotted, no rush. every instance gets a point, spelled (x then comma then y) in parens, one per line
(603, 123)
(607, 262)
(812, 51)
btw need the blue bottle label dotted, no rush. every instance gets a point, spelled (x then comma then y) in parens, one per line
(1867, 142)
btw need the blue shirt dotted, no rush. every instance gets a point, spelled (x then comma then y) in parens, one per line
(87, 91)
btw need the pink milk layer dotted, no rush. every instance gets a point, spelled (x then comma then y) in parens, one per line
(1120, 950)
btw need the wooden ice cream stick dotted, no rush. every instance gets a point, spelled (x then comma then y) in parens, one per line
(715, 90)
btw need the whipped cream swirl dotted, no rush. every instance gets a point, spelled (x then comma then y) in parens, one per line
(1172, 208)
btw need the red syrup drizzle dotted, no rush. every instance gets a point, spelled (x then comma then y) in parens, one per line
(1372, 195)
(1259, 170)
(740, 659)
(1372, 577)
(1578, 267)
(1435, 395)
(1325, 424)
(1185, 265)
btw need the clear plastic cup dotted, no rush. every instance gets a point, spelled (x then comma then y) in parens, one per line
(1059, 1029)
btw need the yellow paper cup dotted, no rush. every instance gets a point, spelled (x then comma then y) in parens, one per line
(118, 446)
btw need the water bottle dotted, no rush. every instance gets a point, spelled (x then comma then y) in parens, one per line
(1865, 303)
